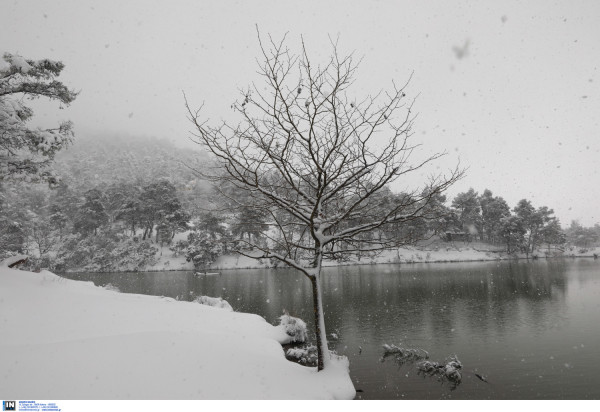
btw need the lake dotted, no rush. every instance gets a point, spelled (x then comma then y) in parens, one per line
(531, 328)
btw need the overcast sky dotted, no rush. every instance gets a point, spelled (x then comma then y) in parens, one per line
(512, 89)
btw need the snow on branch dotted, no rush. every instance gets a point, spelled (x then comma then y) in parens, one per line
(14, 261)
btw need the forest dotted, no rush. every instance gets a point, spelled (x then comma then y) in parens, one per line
(118, 203)
(113, 202)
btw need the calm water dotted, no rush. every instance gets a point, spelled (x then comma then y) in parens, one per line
(532, 328)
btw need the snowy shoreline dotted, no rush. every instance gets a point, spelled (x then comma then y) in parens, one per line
(402, 256)
(73, 340)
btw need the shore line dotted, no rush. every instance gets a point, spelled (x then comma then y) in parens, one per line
(348, 264)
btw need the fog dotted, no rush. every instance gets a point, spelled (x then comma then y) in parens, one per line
(510, 89)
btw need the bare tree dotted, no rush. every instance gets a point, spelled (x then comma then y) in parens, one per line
(317, 160)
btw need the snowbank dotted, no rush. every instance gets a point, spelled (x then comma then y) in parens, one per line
(64, 339)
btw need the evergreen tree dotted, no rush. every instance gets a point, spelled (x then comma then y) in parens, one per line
(582, 236)
(533, 222)
(91, 214)
(468, 211)
(160, 207)
(512, 231)
(250, 221)
(493, 208)
(211, 224)
(552, 234)
(25, 153)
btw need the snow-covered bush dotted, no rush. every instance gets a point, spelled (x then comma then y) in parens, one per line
(404, 355)
(450, 371)
(295, 328)
(215, 302)
(110, 286)
(306, 355)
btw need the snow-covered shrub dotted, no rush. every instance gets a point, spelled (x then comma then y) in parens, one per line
(306, 355)
(110, 286)
(404, 355)
(215, 302)
(450, 371)
(295, 328)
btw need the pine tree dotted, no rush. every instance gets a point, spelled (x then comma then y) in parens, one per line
(25, 153)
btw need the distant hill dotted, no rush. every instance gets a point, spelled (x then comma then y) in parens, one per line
(101, 161)
(114, 159)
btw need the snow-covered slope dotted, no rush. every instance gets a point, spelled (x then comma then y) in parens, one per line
(63, 339)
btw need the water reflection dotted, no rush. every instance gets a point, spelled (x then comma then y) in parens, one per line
(509, 320)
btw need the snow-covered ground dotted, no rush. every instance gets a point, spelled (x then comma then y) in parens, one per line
(63, 339)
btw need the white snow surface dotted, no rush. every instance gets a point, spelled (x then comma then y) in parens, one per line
(214, 302)
(65, 339)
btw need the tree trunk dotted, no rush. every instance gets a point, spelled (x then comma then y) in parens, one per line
(315, 280)
(319, 323)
